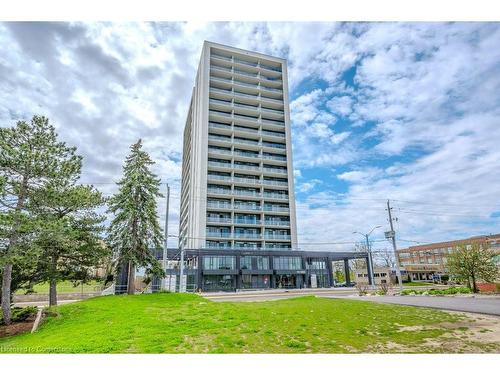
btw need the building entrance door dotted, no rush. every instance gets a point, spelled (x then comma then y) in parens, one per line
(287, 281)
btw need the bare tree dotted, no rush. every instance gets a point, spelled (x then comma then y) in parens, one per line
(384, 258)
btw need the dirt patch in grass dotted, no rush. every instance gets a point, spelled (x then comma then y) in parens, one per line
(16, 328)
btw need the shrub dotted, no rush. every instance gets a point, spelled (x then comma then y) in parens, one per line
(21, 314)
(362, 288)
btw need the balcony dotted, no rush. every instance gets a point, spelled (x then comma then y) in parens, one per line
(220, 113)
(247, 106)
(219, 191)
(247, 221)
(274, 157)
(214, 125)
(273, 236)
(221, 69)
(222, 91)
(272, 122)
(248, 63)
(251, 207)
(276, 209)
(223, 220)
(277, 223)
(246, 141)
(272, 68)
(219, 164)
(218, 246)
(280, 146)
(220, 151)
(246, 154)
(248, 130)
(223, 205)
(218, 234)
(275, 170)
(221, 57)
(271, 89)
(214, 137)
(218, 101)
(275, 111)
(248, 74)
(247, 193)
(254, 181)
(273, 134)
(275, 195)
(275, 183)
(247, 235)
(246, 167)
(218, 177)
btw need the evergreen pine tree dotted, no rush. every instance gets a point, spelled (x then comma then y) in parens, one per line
(135, 229)
(30, 156)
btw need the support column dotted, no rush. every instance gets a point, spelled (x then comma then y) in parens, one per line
(347, 273)
(199, 275)
(369, 270)
(238, 275)
(330, 272)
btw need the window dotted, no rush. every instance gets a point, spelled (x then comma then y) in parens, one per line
(218, 263)
(254, 263)
(287, 263)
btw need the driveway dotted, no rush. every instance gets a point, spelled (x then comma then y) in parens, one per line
(474, 304)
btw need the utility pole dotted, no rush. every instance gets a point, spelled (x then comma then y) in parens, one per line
(392, 235)
(370, 260)
(165, 242)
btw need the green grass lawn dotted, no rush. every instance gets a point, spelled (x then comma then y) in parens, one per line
(183, 323)
(65, 287)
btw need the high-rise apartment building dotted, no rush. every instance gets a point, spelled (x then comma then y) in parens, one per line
(237, 174)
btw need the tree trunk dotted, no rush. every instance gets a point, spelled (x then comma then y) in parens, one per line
(474, 287)
(53, 293)
(6, 282)
(53, 282)
(7, 271)
(131, 278)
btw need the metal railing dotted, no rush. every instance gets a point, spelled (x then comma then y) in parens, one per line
(272, 236)
(275, 170)
(219, 164)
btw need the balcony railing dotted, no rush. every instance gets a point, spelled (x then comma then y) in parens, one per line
(268, 67)
(220, 151)
(275, 183)
(274, 195)
(247, 167)
(249, 63)
(247, 221)
(247, 193)
(277, 223)
(275, 170)
(251, 207)
(246, 154)
(254, 75)
(274, 145)
(222, 57)
(276, 209)
(218, 234)
(274, 157)
(219, 126)
(224, 220)
(247, 180)
(271, 89)
(220, 113)
(249, 130)
(219, 178)
(223, 91)
(219, 164)
(219, 205)
(247, 106)
(247, 235)
(219, 191)
(273, 134)
(272, 236)
(273, 111)
(273, 122)
(219, 138)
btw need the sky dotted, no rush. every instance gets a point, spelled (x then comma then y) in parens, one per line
(401, 111)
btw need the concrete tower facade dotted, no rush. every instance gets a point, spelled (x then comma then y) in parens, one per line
(237, 173)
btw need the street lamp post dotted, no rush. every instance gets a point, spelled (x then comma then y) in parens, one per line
(369, 251)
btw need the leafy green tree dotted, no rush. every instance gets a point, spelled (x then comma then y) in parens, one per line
(30, 155)
(68, 232)
(472, 263)
(135, 229)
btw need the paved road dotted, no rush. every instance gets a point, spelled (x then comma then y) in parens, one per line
(481, 304)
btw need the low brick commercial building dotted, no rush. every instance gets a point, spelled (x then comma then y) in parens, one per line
(425, 262)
